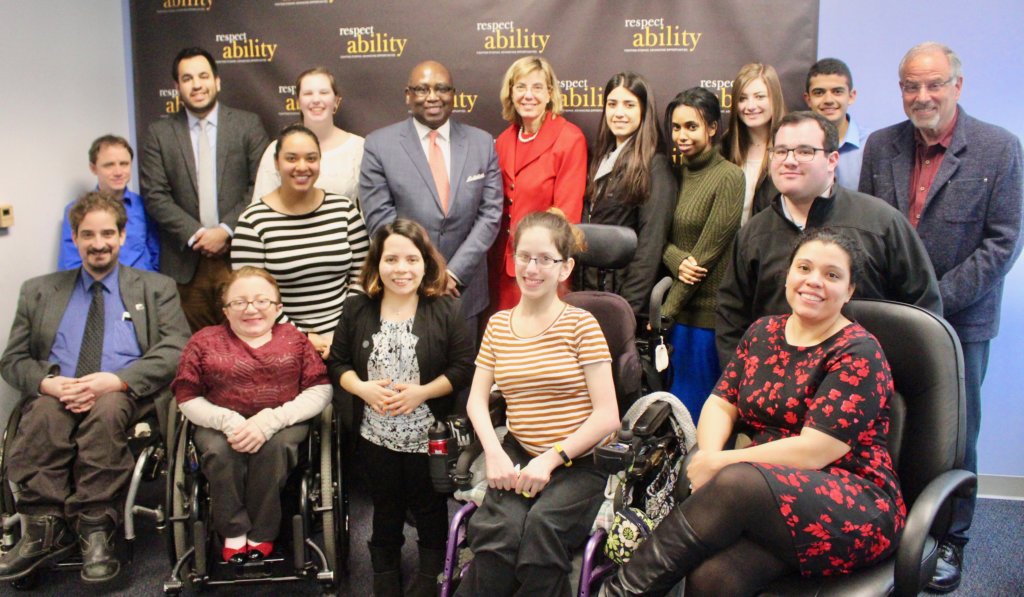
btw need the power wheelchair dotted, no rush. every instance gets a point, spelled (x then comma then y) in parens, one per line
(314, 502)
(146, 443)
(649, 433)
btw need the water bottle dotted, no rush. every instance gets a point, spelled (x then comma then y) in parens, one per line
(438, 442)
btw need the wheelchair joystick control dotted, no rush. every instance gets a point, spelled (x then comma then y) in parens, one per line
(614, 456)
(442, 451)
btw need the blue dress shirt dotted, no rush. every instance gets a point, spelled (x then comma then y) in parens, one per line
(141, 244)
(120, 345)
(851, 153)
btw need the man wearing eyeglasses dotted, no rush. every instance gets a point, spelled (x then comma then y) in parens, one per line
(90, 351)
(442, 174)
(803, 160)
(958, 181)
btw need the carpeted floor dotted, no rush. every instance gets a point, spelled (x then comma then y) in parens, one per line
(995, 565)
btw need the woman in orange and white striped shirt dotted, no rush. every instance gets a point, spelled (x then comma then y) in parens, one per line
(552, 364)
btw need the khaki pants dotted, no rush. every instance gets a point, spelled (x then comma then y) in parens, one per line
(200, 297)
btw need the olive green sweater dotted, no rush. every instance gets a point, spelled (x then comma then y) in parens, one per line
(704, 225)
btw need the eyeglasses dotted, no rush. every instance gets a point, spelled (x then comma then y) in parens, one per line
(422, 91)
(544, 261)
(802, 153)
(240, 305)
(913, 87)
(536, 88)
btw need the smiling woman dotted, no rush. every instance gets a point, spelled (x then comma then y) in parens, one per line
(816, 491)
(400, 354)
(312, 242)
(319, 100)
(630, 183)
(543, 161)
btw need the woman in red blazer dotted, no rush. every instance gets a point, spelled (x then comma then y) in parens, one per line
(543, 159)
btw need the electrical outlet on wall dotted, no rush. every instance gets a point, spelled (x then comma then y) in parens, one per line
(6, 215)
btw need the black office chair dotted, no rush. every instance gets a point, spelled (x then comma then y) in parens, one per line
(926, 439)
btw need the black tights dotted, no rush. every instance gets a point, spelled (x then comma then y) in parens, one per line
(736, 516)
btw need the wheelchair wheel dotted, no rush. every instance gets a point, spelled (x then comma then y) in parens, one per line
(7, 506)
(185, 509)
(335, 519)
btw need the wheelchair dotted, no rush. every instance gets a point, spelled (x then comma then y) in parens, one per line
(146, 444)
(648, 429)
(314, 501)
(610, 248)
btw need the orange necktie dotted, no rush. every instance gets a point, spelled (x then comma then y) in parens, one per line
(438, 170)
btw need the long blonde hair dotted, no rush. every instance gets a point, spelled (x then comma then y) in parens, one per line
(737, 139)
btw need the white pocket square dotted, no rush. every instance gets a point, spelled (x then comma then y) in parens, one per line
(475, 177)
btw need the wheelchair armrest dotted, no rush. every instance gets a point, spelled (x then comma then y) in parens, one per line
(497, 409)
(652, 419)
(657, 298)
(910, 576)
(462, 476)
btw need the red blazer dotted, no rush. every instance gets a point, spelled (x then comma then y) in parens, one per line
(553, 171)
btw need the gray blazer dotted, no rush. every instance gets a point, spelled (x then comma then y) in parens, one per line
(395, 182)
(170, 182)
(152, 300)
(971, 220)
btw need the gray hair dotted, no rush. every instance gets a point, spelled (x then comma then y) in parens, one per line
(932, 46)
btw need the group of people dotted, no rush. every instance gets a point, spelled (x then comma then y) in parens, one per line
(323, 259)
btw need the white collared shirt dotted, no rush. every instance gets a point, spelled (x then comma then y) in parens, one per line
(444, 141)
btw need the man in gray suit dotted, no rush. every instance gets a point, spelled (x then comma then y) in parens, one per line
(90, 350)
(958, 180)
(442, 174)
(198, 169)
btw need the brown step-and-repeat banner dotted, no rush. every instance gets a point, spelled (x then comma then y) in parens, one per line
(371, 45)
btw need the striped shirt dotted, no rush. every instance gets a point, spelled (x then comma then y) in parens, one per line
(541, 377)
(315, 257)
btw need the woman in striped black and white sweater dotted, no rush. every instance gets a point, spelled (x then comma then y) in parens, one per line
(313, 242)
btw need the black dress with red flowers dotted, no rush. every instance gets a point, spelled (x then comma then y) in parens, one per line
(850, 513)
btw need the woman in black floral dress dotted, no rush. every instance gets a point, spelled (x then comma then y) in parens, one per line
(815, 492)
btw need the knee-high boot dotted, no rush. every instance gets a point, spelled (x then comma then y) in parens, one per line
(668, 555)
(431, 565)
(387, 573)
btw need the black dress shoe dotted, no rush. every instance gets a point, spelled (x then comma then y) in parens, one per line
(96, 536)
(47, 538)
(948, 569)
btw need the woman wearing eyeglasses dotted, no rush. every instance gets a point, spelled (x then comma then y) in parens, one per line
(313, 242)
(319, 100)
(551, 363)
(543, 160)
(249, 385)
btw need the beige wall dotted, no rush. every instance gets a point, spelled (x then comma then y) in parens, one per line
(64, 83)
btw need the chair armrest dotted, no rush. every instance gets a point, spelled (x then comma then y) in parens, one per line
(910, 576)
(657, 298)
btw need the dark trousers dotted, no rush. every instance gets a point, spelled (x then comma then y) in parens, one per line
(524, 546)
(67, 463)
(200, 297)
(975, 366)
(400, 481)
(245, 489)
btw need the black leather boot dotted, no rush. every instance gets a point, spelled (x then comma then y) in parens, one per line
(668, 555)
(431, 565)
(387, 571)
(46, 538)
(96, 535)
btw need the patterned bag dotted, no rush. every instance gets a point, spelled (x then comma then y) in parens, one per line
(629, 529)
(632, 525)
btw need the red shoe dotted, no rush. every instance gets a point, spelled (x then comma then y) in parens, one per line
(235, 556)
(260, 550)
